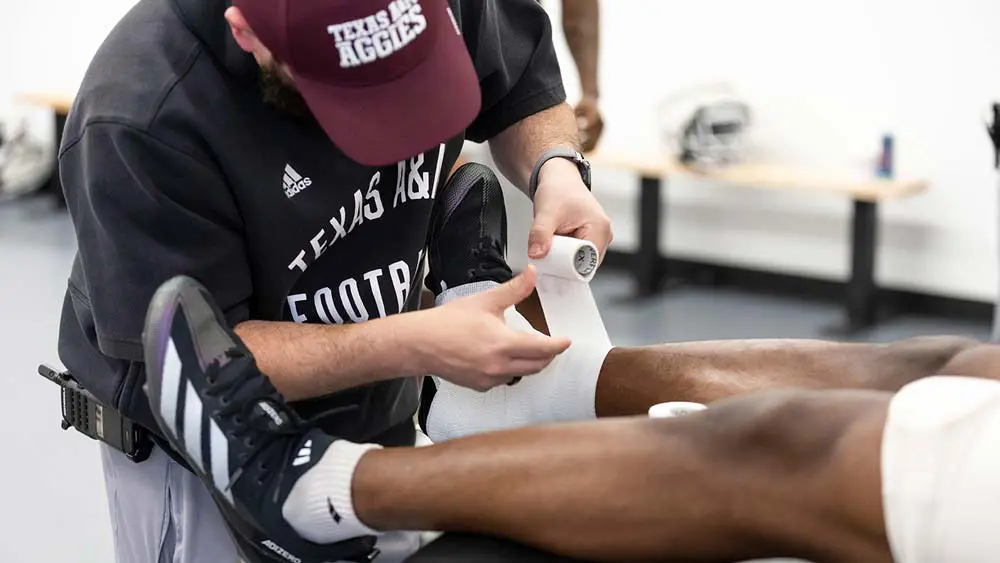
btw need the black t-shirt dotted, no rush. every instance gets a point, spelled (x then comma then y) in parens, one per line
(173, 164)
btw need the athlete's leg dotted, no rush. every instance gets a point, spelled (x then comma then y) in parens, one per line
(634, 378)
(587, 382)
(631, 379)
(711, 370)
(702, 486)
(780, 473)
(785, 473)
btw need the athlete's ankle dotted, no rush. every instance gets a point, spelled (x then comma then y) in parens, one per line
(564, 391)
(320, 505)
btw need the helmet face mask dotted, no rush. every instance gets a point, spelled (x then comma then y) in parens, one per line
(705, 125)
(24, 162)
(713, 136)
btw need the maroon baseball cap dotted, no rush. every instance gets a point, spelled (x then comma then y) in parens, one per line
(387, 80)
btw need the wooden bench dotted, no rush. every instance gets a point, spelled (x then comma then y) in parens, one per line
(60, 105)
(861, 299)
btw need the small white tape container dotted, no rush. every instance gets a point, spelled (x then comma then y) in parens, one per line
(674, 408)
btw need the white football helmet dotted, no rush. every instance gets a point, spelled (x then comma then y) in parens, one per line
(705, 125)
(24, 162)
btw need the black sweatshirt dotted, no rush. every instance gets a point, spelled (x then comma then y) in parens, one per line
(172, 164)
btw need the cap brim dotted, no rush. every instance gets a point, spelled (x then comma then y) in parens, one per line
(383, 124)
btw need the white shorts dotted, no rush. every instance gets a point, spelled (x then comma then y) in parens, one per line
(941, 471)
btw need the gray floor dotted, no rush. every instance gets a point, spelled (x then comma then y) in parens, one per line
(54, 505)
(701, 314)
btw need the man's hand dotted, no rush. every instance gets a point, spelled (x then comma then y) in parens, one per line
(564, 206)
(588, 119)
(467, 341)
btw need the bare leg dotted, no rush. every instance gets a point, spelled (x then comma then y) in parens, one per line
(777, 473)
(628, 380)
(757, 476)
(633, 379)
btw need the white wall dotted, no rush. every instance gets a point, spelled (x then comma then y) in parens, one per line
(825, 81)
(47, 45)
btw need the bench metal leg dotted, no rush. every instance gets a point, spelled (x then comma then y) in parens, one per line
(646, 267)
(862, 293)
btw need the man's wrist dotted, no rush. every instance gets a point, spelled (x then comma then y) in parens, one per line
(556, 167)
(563, 163)
(409, 349)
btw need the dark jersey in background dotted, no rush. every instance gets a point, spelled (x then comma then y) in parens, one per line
(172, 164)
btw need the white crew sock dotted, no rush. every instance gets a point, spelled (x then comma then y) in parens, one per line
(564, 391)
(307, 512)
(328, 483)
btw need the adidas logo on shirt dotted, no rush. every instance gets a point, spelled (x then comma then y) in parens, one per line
(294, 182)
(304, 455)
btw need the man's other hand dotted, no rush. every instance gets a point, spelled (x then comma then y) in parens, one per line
(467, 341)
(590, 122)
(564, 206)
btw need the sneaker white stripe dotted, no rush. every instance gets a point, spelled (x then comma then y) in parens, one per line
(304, 455)
(219, 448)
(170, 387)
(192, 426)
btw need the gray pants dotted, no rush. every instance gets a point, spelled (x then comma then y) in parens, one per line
(162, 513)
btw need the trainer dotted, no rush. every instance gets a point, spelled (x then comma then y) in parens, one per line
(287, 154)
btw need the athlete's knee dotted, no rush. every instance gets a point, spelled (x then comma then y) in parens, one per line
(791, 452)
(788, 431)
(908, 360)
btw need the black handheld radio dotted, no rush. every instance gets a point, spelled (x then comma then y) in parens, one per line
(81, 410)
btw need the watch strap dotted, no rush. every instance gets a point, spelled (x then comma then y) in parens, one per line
(566, 153)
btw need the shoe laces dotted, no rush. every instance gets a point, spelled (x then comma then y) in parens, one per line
(243, 379)
(489, 256)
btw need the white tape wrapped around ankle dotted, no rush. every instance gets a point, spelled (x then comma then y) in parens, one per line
(566, 389)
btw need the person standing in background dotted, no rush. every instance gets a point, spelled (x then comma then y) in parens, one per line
(581, 24)
(581, 27)
(993, 129)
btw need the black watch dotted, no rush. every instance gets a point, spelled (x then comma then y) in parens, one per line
(582, 163)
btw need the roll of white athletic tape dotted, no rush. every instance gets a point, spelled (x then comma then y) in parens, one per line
(563, 287)
(674, 408)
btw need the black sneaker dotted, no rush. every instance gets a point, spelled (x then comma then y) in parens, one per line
(468, 233)
(231, 425)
